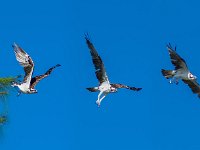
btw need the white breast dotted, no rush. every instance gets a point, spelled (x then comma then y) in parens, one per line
(24, 88)
(105, 86)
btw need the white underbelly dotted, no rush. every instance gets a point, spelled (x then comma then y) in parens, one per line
(105, 86)
(24, 88)
(181, 75)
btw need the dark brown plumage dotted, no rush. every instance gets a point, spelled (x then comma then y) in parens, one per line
(36, 79)
(194, 86)
(125, 86)
(176, 60)
(97, 61)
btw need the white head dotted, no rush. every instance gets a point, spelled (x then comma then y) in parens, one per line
(14, 84)
(191, 76)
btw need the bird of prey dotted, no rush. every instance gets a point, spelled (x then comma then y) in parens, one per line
(28, 84)
(181, 71)
(105, 87)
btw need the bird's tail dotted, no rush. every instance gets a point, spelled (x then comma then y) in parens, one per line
(92, 89)
(167, 73)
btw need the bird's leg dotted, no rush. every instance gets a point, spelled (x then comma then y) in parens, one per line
(102, 98)
(98, 100)
(19, 93)
(172, 80)
(176, 81)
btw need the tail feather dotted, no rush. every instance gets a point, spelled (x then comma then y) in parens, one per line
(167, 73)
(92, 89)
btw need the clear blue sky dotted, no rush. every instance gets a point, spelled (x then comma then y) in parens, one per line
(131, 37)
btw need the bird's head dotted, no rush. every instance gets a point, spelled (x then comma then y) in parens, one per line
(191, 76)
(14, 84)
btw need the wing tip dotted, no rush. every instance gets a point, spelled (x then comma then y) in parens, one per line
(58, 65)
(170, 48)
(93, 89)
(14, 45)
(135, 89)
(138, 89)
(87, 37)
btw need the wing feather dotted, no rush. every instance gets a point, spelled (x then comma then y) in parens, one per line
(97, 61)
(25, 61)
(176, 60)
(125, 86)
(194, 86)
(35, 80)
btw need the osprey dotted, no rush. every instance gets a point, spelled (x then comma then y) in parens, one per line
(29, 82)
(105, 87)
(181, 71)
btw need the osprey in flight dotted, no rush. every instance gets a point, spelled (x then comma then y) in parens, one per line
(29, 82)
(181, 71)
(105, 87)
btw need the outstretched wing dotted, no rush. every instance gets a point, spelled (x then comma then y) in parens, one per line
(176, 60)
(25, 61)
(96, 59)
(37, 79)
(125, 86)
(194, 86)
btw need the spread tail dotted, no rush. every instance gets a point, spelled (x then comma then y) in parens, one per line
(93, 89)
(167, 73)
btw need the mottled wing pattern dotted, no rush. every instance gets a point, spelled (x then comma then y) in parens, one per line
(99, 66)
(176, 60)
(194, 86)
(25, 61)
(125, 86)
(37, 79)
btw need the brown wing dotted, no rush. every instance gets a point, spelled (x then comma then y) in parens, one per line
(98, 64)
(125, 86)
(194, 86)
(37, 79)
(176, 60)
(25, 61)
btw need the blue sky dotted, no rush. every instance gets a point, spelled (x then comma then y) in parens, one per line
(131, 37)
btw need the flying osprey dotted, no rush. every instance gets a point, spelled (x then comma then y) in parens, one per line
(29, 82)
(105, 87)
(181, 71)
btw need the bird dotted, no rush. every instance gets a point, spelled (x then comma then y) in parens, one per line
(104, 87)
(181, 71)
(27, 86)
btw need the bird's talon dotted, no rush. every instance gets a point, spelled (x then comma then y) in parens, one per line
(98, 104)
